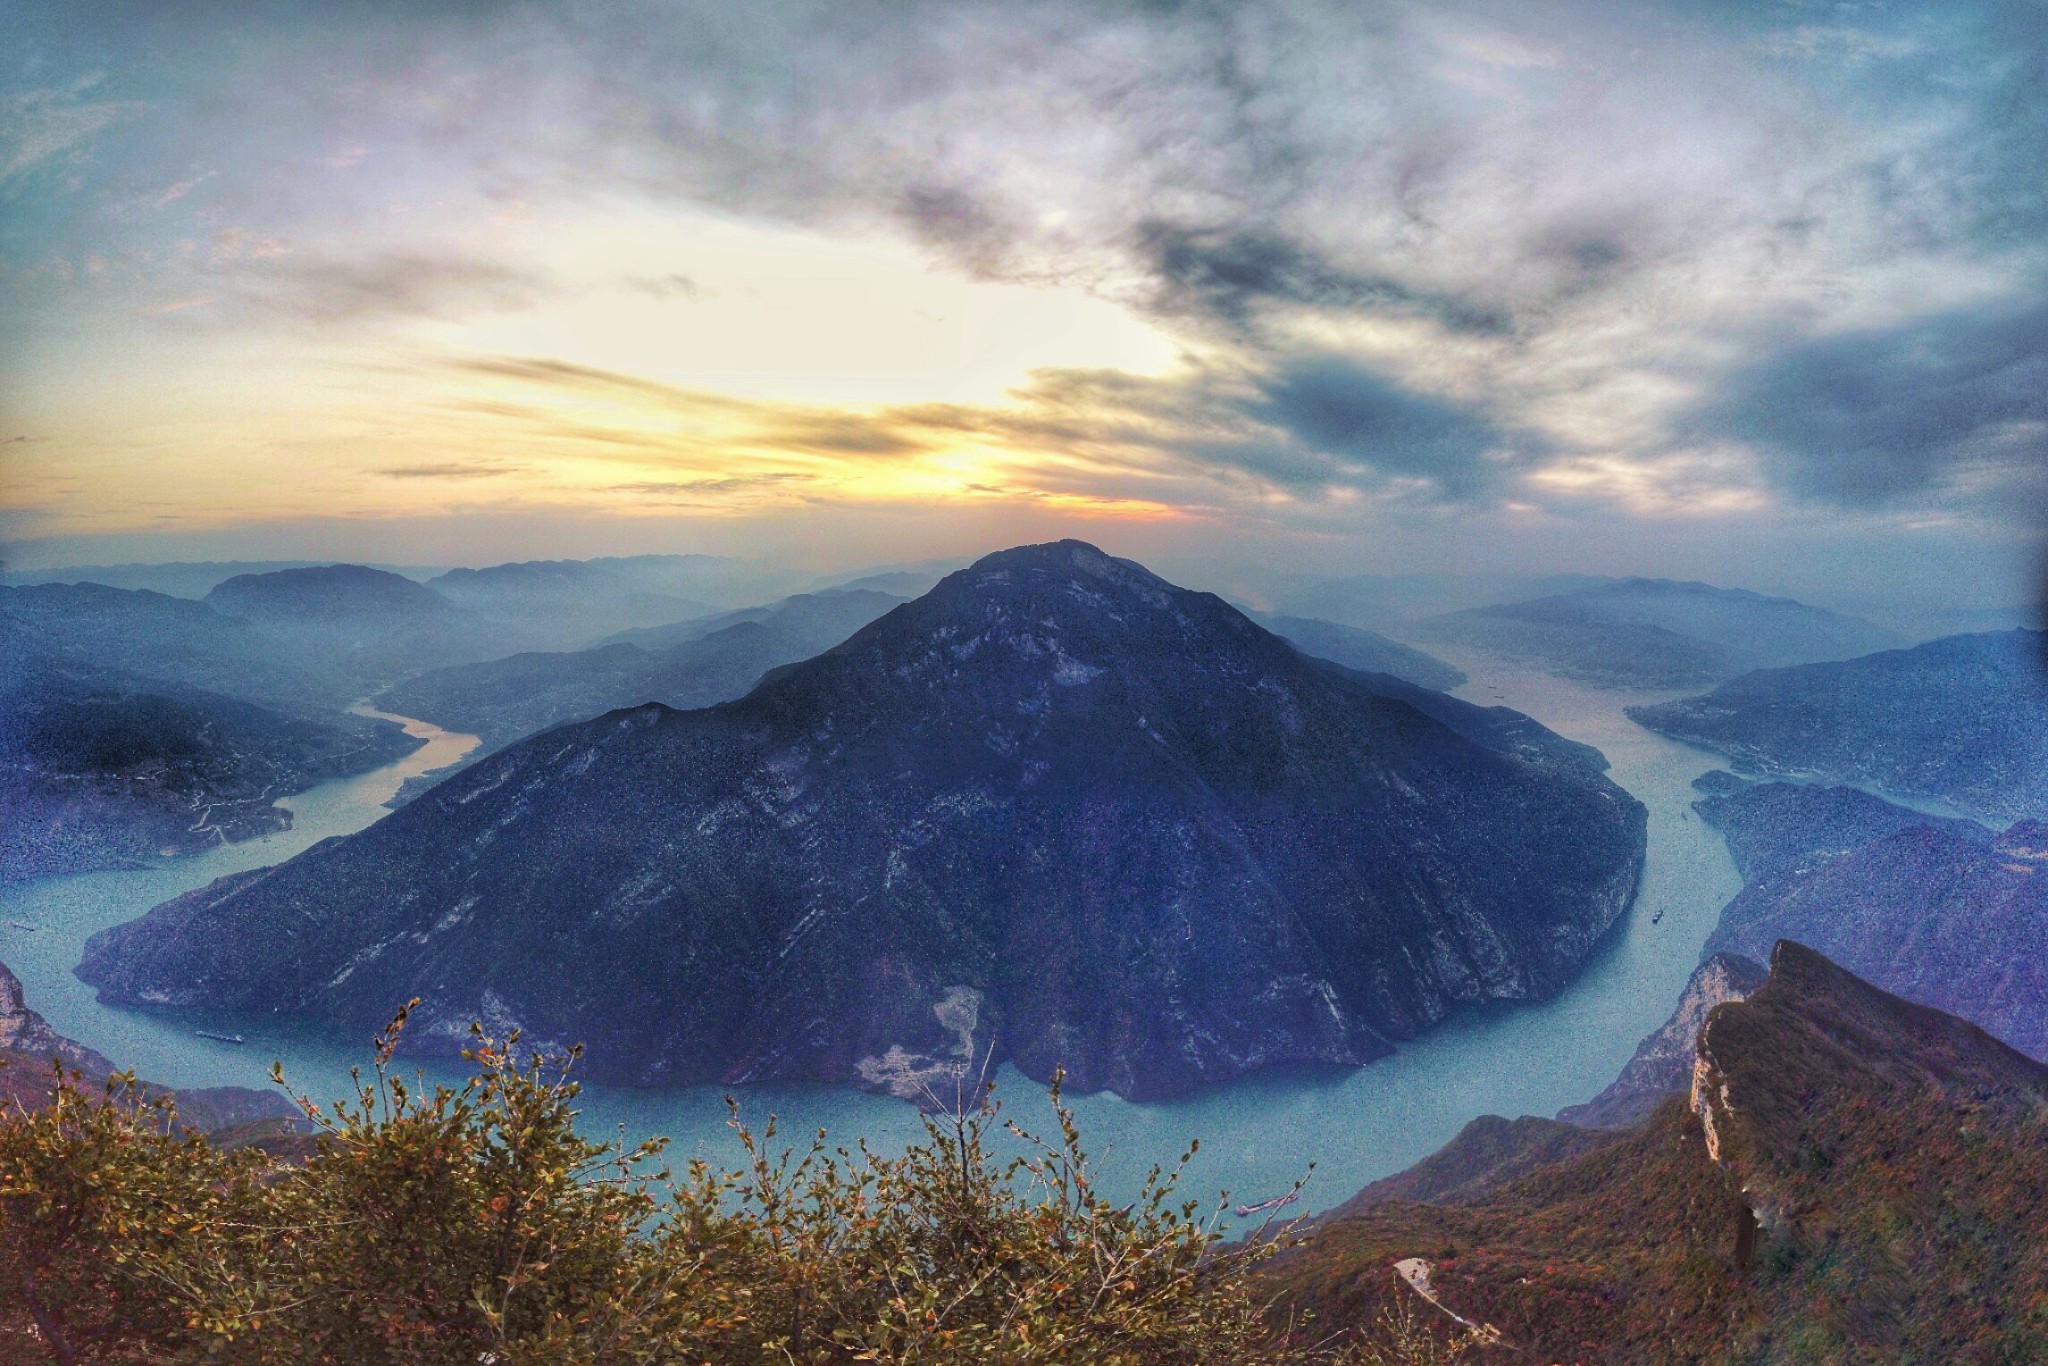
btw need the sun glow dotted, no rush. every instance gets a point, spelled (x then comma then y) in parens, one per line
(649, 362)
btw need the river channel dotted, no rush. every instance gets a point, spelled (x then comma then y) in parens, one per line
(1258, 1135)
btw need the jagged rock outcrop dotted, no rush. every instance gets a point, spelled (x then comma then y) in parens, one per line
(1663, 1062)
(25, 1032)
(1123, 828)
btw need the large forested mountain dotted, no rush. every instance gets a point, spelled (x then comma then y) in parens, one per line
(1057, 809)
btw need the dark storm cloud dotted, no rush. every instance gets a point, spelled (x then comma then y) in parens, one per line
(1339, 408)
(1884, 415)
(1234, 274)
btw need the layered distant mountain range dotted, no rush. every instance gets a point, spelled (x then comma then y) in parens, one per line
(1945, 912)
(105, 769)
(1056, 811)
(1655, 633)
(682, 665)
(1962, 720)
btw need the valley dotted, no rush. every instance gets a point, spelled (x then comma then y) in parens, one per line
(1259, 1133)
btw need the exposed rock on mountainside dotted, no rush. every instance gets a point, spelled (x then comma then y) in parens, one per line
(1943, 912)
(1662, 1065)
(1656, 633)
(105, 770)
(28, 1034)
(1963, 720)
(702, 663)
(1147, 840)
(1858, 1179)
(1356, 648)
(28, 1044)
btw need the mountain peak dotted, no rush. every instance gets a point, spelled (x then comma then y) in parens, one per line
(1076, 561)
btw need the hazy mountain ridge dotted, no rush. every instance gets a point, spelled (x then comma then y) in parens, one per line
(166, 640)
(1357, 648)
(709, 661)
(1963, 720)
(1388, 601)
(364, 625)
(182, 578)
(105, 770)
(1655, 633)
(1057, 804)
(571, 604)
(1854, 1179)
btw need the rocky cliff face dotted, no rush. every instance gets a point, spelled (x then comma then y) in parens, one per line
(28, 1043)
(1663, 1062)
(1853, 1178)
(23, 1031)
(1057, 810)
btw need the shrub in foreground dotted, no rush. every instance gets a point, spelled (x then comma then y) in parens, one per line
(476, 1225)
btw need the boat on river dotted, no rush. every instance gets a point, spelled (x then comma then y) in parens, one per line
(218, 1038)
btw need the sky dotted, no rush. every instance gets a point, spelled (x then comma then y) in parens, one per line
(1749, 292)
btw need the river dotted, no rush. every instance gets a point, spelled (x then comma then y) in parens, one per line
(1258, 1135)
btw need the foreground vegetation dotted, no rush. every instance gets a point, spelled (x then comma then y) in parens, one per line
(476, 1225)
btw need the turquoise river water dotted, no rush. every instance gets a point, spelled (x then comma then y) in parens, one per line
(1258, 1135)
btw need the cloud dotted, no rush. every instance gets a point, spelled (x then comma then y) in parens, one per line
(671, 286)
(1886, 415)
(1346, 213)
(39, 126)
(449, 470)
(710, 491)
(326, 289)
(1336, 406)
(1234, 274)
